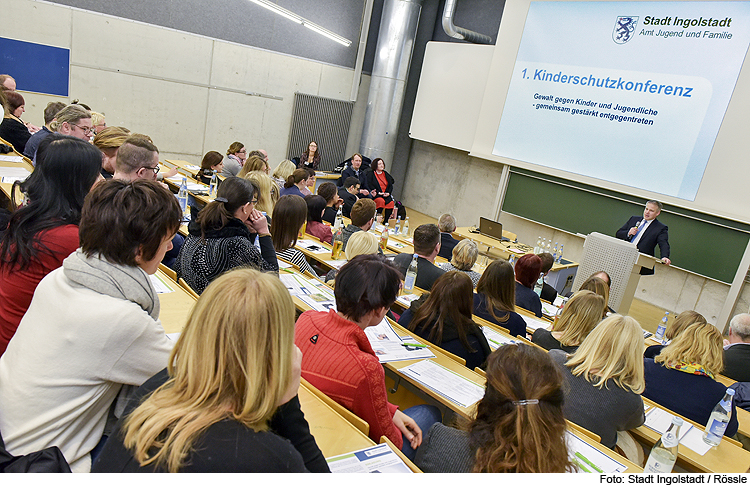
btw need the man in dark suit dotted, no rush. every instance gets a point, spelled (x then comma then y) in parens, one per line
(348, 193)
(356, 170)
(426, 247)
(447, 225)
(646, 232)
(737, 349)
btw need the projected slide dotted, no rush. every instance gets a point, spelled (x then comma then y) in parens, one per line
(628, 92)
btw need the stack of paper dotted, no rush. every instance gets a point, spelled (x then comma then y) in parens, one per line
(336, 263)
(12, 174)
(375, 459)
(495, 339)
(535, 323)
(11, 158)
(691, 437)
(160, 285)
(406, 299)
(390, 347)
(451, 385)
(548, 309)
(589, 459)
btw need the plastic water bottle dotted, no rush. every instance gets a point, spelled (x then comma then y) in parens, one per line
(398, 225)
(411, 275)
(405, 229)
(664, 453)
(539, 285)
(720, 416)
(384, 238)
(537, 248)
(337, 243)
(182, 197)
(549, 245)
(554, 253)
(662, 328)
(339, 221)
(512, 260)
(560, 254)
(213, 186)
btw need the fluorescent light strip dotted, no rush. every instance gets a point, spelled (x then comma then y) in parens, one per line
(301, 20)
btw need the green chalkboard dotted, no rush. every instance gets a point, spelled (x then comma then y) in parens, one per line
(702, 243)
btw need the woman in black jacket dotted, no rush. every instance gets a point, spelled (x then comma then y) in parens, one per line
(443, 317)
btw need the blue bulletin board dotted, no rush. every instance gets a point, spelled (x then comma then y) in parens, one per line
(35, 67)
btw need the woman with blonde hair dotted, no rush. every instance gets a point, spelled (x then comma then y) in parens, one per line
(361, 242)
(605, 379)
(682, 377)
(109, 141)
(519, 426)
(464, 256)
(236, 155)
(267, 197)
(252, 164)
(283, 171)
(495, 299)
(98, 122)
(598, 286)
(227, 401)
(578, 318)
(675, 328)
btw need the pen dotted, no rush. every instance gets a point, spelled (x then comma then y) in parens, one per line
(416, 345)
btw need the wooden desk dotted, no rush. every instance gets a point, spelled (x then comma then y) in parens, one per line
(174, 306)
(333, 434)
(726, 458)
(323, 177)
(8, 187)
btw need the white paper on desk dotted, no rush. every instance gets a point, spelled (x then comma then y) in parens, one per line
(317, 304)
(191, 187)
(558, 301)
(535, 323)
(406, 299)
(588, 458)
(452, 386)
(515, 250)
(297, 285)
(691, 437)
(160, 285)
(548, 309)
(312, 246)
(14, 172)
(389, 346)
(11, 158)
(375, 459)
(284, 265)
(495, 339)
(11, 179)
(174, 336)
(693, 440)
(395, 244)
(336, 263)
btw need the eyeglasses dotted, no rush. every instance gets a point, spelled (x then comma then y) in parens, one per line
(87, 131)
(154, 169)
(254, 201)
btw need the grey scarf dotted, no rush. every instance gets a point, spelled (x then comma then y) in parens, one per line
(123, 282)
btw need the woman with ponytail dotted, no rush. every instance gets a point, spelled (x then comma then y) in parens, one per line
(519, 427)
(295, 182)
(223, 236)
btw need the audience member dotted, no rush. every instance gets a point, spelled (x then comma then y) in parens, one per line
(682, 377)
(238, 348)
(361, 242)
(43, 232)
(236, 155)
(295, 182)
(528, 269)
(12, 128)
(519, 426)
(109, 141)
(495, 299)
(605, 379)
(330, 194)
(92, 325)
(579, 317)
(310, 157)
(282, 171)
(253, 163)
(355, 170)
(7, 82)
(338, 360)
(362, 218)
(674, 329)
(98, 122)
(137, 158)
(447, 225)
(268, 192)
(464, 256)
(426, 247)
(380, 183)
(737, 349)
(348, 194)
(212, 162)
(73, 120)
(598, 286)
(549, 293)
(443, 317)
(222, 236)
(315, 207)
(50, 111)
(289, 214)
(309, 186)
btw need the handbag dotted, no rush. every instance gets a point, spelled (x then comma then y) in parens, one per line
(49, 460)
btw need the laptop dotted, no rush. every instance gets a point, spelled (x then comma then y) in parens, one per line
(492, 229)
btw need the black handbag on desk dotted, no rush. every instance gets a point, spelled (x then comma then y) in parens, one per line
(49, 460)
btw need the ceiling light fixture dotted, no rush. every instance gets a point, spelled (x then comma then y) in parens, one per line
(301, 20)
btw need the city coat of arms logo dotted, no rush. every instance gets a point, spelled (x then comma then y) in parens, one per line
(624, 29)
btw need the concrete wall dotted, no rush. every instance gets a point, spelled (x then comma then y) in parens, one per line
(161, 82)
(441, 179)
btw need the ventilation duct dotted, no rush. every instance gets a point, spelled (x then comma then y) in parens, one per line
(461, 33)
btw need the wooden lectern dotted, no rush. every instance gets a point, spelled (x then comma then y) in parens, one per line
(621, 260)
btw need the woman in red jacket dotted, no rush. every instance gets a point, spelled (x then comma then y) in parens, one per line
(45, 231)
